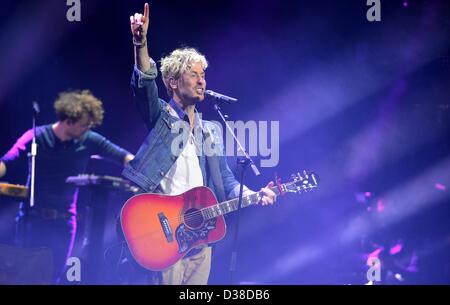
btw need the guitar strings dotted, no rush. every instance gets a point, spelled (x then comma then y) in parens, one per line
(195, 214)
(199, 213)
(190, 216)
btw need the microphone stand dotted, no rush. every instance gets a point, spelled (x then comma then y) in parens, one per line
(33, 155)
(22, 229)
(243, 162)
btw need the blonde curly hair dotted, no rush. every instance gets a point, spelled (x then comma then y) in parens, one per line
(178, 62)
(74, 105)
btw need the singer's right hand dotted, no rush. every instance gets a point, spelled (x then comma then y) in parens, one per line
(139, 25)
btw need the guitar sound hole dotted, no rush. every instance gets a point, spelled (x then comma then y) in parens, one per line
(193, 218)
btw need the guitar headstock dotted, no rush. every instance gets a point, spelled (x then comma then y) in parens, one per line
(301, 182)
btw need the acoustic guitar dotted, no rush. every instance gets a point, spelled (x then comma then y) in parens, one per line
(161, 229)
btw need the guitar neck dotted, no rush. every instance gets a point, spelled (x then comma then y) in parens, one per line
(232, 205)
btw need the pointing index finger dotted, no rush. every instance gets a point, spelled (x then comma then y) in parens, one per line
(146, 9)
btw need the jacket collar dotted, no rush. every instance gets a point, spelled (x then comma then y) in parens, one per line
(183, 115)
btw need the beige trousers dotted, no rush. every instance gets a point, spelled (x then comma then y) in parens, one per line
(193, 270)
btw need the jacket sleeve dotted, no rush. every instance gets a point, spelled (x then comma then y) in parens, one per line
(145, 94)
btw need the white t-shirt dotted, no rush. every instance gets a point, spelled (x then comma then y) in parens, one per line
(185, 173)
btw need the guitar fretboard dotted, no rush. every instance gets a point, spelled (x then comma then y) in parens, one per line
(232, 205)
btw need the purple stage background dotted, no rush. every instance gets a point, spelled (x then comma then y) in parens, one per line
(365, 105)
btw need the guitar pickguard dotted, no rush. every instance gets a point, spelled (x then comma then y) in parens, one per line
(187, 237)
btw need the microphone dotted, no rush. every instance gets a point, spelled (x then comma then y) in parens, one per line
(220, 97)
(36, 109)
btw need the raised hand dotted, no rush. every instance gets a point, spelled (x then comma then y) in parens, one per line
(139, 26)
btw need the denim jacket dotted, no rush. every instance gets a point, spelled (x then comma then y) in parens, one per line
(154, 158)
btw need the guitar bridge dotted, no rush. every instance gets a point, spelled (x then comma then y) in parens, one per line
(165, 227)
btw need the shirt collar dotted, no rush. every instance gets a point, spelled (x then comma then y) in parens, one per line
(183, 115)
